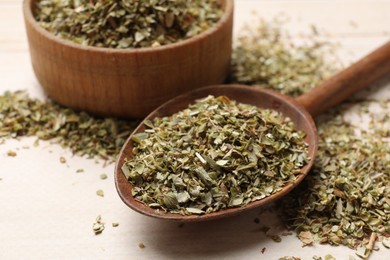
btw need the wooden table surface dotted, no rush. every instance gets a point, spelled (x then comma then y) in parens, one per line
(47, 209)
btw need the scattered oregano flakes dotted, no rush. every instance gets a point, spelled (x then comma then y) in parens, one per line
(85, 135)
(289, 258)
(329, 257)
(62, 160)
(100, 193)
(216, 154)
(98, 225)
(11, 153)
(267, 56)
(346, 197)
(306, 237)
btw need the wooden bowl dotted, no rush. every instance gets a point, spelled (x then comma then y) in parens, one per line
(127, 82)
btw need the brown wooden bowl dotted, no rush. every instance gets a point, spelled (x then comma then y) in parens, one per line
(249, 95)
(127, 82)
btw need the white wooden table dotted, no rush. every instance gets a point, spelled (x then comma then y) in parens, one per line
(47, 209)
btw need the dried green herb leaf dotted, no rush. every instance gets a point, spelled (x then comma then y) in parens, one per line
(139, 137)
(115, 224)
(103, 176)
(62, 159)
(329, 257)
(100, 193)
(194, 211)
(363, 252)
(11, 153)
(98, 226)
(306, 237)
(141, 245)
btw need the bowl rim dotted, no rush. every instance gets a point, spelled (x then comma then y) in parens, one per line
(29, 18)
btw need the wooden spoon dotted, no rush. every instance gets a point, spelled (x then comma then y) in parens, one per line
(300, 111)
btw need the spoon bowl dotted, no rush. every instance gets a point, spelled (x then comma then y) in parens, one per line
(255, 96)
(330, 93)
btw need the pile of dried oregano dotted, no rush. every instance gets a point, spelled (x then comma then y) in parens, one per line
(127, 24)
(213, 155)
(346, 197)
(21, 115)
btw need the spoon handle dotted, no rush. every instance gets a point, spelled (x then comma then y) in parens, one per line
(356, 77)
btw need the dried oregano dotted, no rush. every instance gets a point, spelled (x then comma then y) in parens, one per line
(266, 56)
(100, 193)
(21, 115)
(346, 197)
(289, 258)
(127, 24)
(11, 153)
(98, 225)
(214, 155)
(345, 200)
